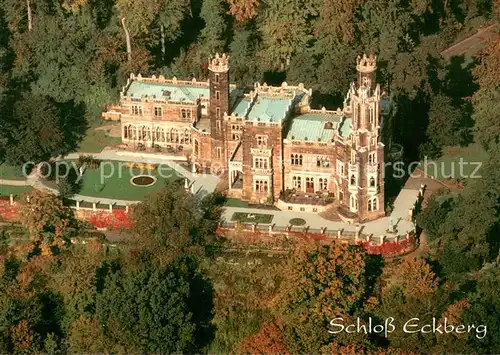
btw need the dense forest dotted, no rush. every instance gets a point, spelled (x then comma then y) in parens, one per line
(166, 289)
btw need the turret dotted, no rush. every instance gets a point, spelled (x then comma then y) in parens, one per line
(366, 67)
(219, 104)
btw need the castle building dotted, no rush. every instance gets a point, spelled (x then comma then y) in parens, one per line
(269, 144)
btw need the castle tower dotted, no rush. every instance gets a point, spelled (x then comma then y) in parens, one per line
(219, 105)
(366, 67)
(366, 180)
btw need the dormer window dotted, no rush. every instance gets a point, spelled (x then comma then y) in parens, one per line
(328, 125)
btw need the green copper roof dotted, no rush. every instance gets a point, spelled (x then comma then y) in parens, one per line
(269, 109)
(345, 127)
(313, 127)
(242, 107)
(177, 92)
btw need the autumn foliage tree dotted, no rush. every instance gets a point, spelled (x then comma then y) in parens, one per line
(269, 340)
(243, 9)
(320, 283)
(411, 292)
(47, 220)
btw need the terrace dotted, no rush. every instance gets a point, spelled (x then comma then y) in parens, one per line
(304, 198)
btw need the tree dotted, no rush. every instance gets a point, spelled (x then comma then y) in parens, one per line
(65, 188)
(483, 309)
(447, 124)
(49, 222)
(487, 99)
(242, 302)
(337, 21)
(170, 18)
(244, 46)
(285, 31)
(36, 134)
(213, 34)
(320, 283)
(85, 336)
(243, 10)
(173, 222)
(156, 309)
(431, 218)
(411, 292)
(269, 340)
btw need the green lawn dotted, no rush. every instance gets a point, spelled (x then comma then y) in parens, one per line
(10, 172)
(6, 190)
(252, 217)
(235, 202)
(112, 180)
(448, 165)
(96, 141)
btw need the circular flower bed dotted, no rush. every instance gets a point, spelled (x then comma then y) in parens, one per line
(143, 180)
(297, 222)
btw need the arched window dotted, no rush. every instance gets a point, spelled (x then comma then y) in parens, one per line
(372, 158)
(125, 132)
(372, 204)
(296, 159)
(354, 203)
(372, 182)
(143, 133)
(196, 147)
(372, 114)
(353, 180)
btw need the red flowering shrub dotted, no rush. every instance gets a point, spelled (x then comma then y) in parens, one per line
(118, 219)
(8, 212)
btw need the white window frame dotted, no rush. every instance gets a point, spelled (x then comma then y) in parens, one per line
(297, 182)
(261, 140)
(136, 110)
(340, 168)
(261, 185)
(158, 111)
(261, 162)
